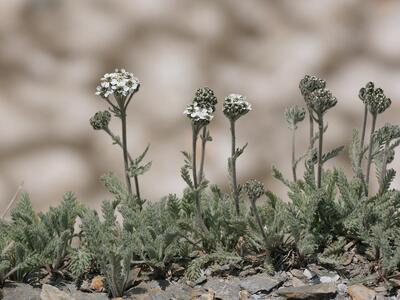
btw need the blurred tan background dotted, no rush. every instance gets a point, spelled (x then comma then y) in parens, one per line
(53, 52)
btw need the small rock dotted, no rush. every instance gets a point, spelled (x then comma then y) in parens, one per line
(297, 273)
(297, 282)
(97, 284)
(50, 292)
(259, 282)
(247, 272)
(360, 292)
(380, 289)
(327, 279)
(342, 288)
(308, 274)
(225, 289)
(200, 280)
(16, 291)
(243, 295)
(316, 291)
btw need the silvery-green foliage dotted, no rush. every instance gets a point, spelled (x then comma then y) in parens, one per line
(111, 246)
(5, 245)
(41, 240)
(294, 115)
(156, 231)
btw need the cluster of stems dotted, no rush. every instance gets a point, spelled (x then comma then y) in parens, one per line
(375, 102)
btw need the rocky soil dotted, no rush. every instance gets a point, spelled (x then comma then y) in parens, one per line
(313, 282)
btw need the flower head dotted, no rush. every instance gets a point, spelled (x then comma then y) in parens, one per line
(293, 115)
(367, 92)
(120, 84)
(374, 98)
(235, 106)
(198, 115)
(309, 84)
(321, 100)
(254, 189)
(100, 120)
(205, 98)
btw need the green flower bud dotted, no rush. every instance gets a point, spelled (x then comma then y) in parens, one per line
(100, 120)
(205, 98)
(375, 98)
(293, 115)
(254, 189)
(321, 100)
(235, 106)
(309, 84)
(366, 92)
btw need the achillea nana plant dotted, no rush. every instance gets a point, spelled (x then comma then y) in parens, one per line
(325, 210)
(118, 89)
(235, 106)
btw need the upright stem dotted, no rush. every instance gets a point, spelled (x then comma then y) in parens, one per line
(311, 129)
(371, 143)
(233, 162)
(118, 142)
(136, 179)
(258, 219)
(320, 143)
(311, 136)
(203, 151)
(125, 151)
(199, 217)
(363, 135)
(294, 154)
(384, 167)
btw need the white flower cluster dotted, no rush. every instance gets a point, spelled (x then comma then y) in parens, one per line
(119, 83)
(198, 115)
(235, 106)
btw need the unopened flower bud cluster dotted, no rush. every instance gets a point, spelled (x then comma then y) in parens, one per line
(374, 98)
(100, 120)
(310, 84)
(254, 189)
(321, 100)
(235, 106)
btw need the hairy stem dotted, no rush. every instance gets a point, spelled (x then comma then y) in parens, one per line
(312, 140)
(125, 152)
(384, 167)
(203, 152)
(199, 217)
(364, 126)
(294, 154)
(118, 142)
(371, 143)
(233, 162)
(320, 145)
(258, 219)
